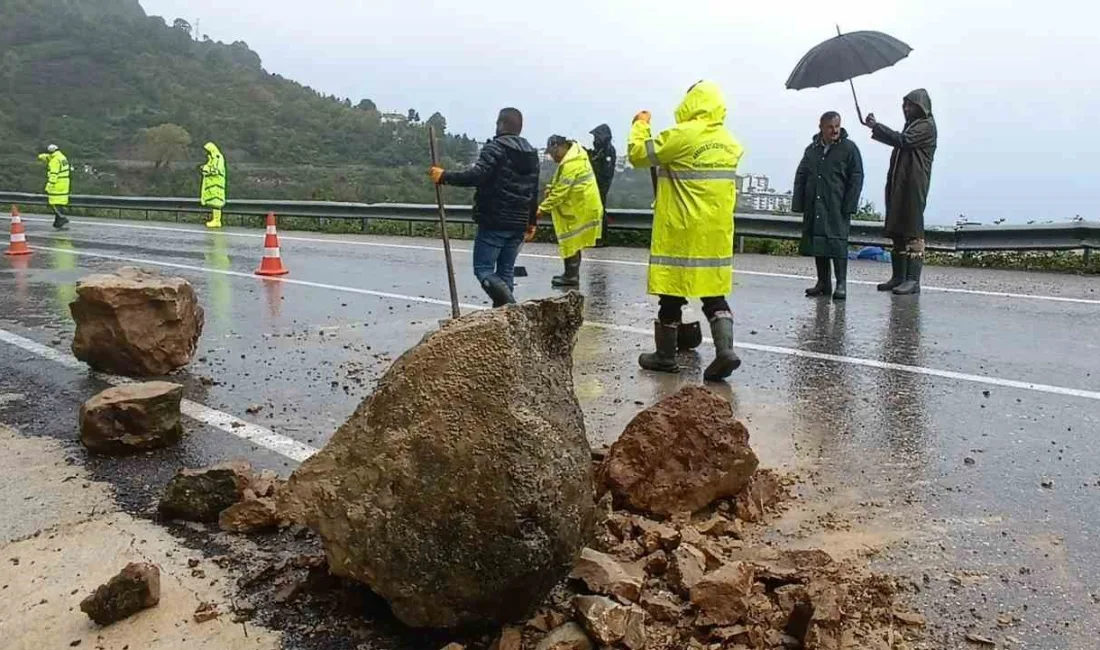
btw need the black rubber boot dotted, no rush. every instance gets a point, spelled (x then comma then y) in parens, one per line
(572, 275)
(824, 283)
(664, 359)
(59, 221)
(897, 261)
(911, 285)
(689, 336)
(840, 267)
(725, 360)
(498, 291)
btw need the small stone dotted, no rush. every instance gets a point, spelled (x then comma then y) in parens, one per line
(662, 606)
(981, 640)
(567, 637)
(1048, 484)
(206, 612)
(249, 516)
(969, 460)
(192, 563)
(688, 566)
(722, 596)
(254, 409)
(656, 564)
(135, 588)
(605, 575)
(1005, 620)
(909, 618)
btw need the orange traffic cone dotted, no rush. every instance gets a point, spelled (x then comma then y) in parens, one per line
(272, 263)
(18, 235)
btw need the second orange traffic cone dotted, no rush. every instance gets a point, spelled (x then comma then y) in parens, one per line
(272, 263)
(18, 244)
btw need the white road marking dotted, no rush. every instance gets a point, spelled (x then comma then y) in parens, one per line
(596, 260)
(771, 349)
(253, 433)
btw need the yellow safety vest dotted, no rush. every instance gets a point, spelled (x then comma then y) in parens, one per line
(213, 178)
(573, 202)
(691, 251)
(57, 178)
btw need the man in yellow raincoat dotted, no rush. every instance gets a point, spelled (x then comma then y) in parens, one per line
(573, 201)
(213, 184)
(58, 176)
(691, 254)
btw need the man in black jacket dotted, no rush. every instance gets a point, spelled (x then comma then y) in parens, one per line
(506, 176)
(602, 155)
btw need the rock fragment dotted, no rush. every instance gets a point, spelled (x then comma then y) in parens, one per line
(132, 418)
(135, 588)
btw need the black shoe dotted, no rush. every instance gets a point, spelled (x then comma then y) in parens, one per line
(911, 284)
(824, 283)
(572, 275)
(60, 222)
(725, 359)
(897, 261)
(840, 266)
(664, 359)
(498, 291)
(689, 336)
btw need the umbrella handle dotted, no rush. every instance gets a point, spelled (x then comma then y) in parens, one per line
(859, 113)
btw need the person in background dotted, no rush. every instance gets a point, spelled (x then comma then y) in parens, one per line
(573, 201)
(691, 250)
(506, 176)
(213, 184)
(827, 188)
(58, 175)
(603, 157)
(907, 185)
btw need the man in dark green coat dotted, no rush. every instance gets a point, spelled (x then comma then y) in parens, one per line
(827, 188)
(907, 185)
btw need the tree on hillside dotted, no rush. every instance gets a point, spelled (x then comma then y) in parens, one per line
(867, 212)
(414, 117)
(367, 105)
(439, 122)
(164, 144)
(182, 25)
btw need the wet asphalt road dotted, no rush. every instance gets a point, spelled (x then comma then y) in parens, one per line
(882, 450)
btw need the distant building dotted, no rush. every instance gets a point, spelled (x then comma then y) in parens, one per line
(751, 184)
(765, 202)
(393, 117)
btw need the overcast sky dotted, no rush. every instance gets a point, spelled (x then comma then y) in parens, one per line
(1014, 85)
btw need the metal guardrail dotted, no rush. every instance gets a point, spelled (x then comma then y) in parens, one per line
(1041, 237)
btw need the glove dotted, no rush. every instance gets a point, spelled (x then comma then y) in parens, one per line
(436, 174)
(530, 234)
(642, 116)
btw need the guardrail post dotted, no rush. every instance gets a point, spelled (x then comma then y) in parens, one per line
(411, 233)
(740, 244)
(1086, 257)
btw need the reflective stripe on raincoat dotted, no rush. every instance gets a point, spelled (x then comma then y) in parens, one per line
(213, 178)
(573, 201)
(691, 254)
(57, 177)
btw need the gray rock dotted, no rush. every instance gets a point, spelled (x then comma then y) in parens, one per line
(202, 494)
(132, 417)
(461, 491)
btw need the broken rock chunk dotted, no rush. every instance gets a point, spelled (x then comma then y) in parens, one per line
(135, 588)
(132, 417)
(202, 494)
(722, 596)
(604, 574)
(680, 455)
(763, 492)
(249, 516)
(570, 636)
(688, 566)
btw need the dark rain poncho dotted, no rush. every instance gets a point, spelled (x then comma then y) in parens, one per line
(910, 172)
(827, 188)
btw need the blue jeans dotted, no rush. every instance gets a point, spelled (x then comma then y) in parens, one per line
(495, 253)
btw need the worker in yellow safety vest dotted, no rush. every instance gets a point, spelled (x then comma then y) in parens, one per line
(58, 174)
(573, 201)
(213, 184)
(691, 251)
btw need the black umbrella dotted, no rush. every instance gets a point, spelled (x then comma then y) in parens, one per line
(845, 57)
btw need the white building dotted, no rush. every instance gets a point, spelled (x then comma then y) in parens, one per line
(393, 117)
(751, 184)
(765, 202)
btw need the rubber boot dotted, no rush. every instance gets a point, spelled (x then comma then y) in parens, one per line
(664, 359)
(59, 221)
(215, 219)
(824, 283)
(572, 275)
(897, 261)
(498, 291)
(840, 267)
(725, 360)
(912, 277)
(689, 336)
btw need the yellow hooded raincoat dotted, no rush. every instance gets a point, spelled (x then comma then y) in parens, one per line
(57, 177)
(691, 254)
(213, 178)
(574, 203)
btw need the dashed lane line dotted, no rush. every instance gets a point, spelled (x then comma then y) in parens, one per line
(253, 433)
(769, 349)
(596, 260)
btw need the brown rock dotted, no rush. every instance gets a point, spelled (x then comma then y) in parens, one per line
(915, 619)
(722, 596)
(981, 640)
(461, 490)
(132, 417)
(202, 494)
(249, 516)
(657, 535)
(763, 492)
(136, 588)
(135, 323)
(206, 612)
(511, 638)
(265, 483)
(547, 619)
(662, 606)
(603, 618)
(656, 564)
(636, 635)
(688, 566)
(567, 637)
(730, 634)
(605, 575)
(681, 455)
(454, 646)
(781, 566)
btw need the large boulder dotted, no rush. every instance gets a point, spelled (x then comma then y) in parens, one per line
(135, 323)
(461, 491)
(680, 455)
(132, 417)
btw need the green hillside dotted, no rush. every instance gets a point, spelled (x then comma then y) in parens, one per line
(131, 99)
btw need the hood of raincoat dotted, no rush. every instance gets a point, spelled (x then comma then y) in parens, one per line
(212, 149)
(920, 98)
(703, 102)
(601, 134)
